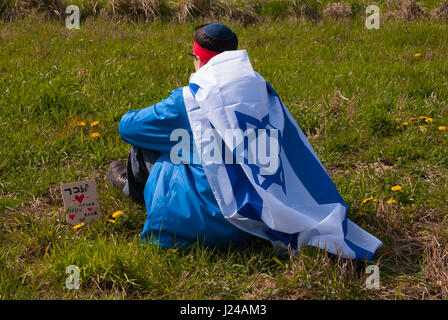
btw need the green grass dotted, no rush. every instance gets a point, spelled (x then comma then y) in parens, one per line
(344, 84)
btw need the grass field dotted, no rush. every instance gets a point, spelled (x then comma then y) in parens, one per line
(350, 89)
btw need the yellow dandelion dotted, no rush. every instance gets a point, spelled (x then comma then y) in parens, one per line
(442, 128)
(180, 58)
(405, 123)
(94, 123)
(116, 213)
(422, 117)
(396, 188)
(391, 201)
(362, 213)
(81, 124)
(398, 127)
(111, 220)
(423, 128)
(95, 135)
(413, 119)
(417, 55)
(78, 226)
(429, 120)
(397, 119)
(366, 200)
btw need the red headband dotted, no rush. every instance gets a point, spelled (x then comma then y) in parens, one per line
(203, 53)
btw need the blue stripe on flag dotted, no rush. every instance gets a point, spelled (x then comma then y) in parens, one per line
(305, 166)
(286, 238)
(361, 253)
(194, 88)
(249, 202)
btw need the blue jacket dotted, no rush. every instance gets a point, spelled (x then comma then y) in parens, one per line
(180, 205)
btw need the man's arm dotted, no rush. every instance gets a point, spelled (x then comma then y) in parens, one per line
(150, 128)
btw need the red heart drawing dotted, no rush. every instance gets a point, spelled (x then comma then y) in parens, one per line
(71, 216)
(79, 198)
(90, 209)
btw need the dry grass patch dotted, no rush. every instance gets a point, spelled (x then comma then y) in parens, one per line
(411, 10)
(189, 9)
(245, 12)
(51, 8)
(405, 9)
(337, 10)
(307, 9)
(147, 9)
(41, 208)
(435, 269)
(244, 16)
(312, 274)
(402, 245)
(441, 11)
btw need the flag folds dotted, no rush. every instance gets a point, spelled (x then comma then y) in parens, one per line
(263, 171)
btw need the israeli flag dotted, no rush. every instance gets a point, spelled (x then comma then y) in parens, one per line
(276, 191)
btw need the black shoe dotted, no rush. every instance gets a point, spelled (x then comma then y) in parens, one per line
(117, 175)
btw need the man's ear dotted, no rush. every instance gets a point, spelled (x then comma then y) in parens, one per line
(198, 63)
(201, 63)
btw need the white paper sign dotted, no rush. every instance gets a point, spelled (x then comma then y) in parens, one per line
(80, 201)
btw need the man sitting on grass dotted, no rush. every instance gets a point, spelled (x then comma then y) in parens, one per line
(223, 157)
(180, 205)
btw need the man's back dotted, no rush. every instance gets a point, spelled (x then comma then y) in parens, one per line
(180, 205)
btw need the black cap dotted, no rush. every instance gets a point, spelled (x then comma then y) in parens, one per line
(216, 37)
